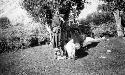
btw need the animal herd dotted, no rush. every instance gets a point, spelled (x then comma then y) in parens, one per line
(75, 42)
(72, 46)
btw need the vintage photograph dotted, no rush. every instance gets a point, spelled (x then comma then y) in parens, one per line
(62, 37)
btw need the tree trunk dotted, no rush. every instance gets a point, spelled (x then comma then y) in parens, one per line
(118, 23)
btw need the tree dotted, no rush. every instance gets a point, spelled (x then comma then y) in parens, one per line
(116, 7)
(44, 10)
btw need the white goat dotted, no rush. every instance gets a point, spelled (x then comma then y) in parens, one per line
(70, 47)
(89, 40)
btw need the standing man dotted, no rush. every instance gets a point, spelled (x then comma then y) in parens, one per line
(56, 27)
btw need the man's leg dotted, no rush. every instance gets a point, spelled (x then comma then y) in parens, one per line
(59, 39)
(54, 44)
(56, 40)
(50, 36)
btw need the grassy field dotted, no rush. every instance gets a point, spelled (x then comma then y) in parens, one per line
(107, 58)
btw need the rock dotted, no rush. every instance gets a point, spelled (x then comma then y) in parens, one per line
(108, 51)
(61, 57)
(103, 57)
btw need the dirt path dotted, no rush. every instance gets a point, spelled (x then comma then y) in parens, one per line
(40, 61)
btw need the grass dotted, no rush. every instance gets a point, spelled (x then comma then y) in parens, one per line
(40, 61)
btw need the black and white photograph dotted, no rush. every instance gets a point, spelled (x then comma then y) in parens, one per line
(62, 37)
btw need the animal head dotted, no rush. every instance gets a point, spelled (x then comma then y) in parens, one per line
(77, 46)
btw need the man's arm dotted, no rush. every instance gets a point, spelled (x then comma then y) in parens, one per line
(62, 19)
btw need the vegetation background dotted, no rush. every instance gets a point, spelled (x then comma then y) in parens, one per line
(22, 23)
(21, 29)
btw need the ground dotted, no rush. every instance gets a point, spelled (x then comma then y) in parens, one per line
(107, 58)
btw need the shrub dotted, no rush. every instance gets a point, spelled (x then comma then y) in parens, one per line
(106, 29)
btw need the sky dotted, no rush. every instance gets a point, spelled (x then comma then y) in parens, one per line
(90, 8)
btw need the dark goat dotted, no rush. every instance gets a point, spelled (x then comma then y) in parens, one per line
(45, 41)
(34, 42)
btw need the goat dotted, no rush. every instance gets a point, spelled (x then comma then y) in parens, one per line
(90, 40)
(74, 44)
(70, 48)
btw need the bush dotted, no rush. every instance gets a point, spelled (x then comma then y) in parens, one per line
(10, 44)
(16, 37)
(106, 29)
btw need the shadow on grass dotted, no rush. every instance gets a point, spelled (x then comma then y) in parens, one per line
(82, 51)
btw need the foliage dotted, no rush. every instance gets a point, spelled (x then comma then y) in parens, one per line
(105, 29)
(117, 7)
(16, 37)
(113, 5)
(45, 9)
(106, 15)
(98, 18)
